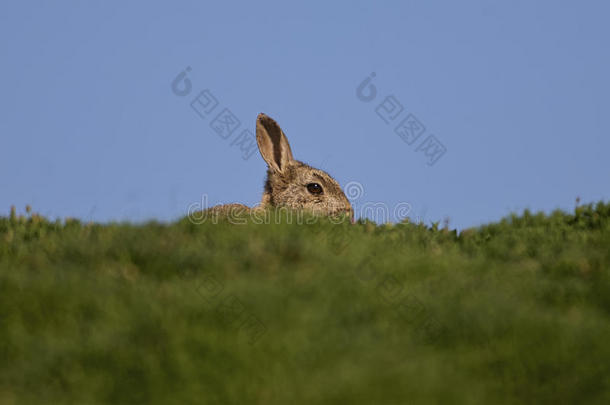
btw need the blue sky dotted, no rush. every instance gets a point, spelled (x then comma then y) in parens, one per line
(515, 92)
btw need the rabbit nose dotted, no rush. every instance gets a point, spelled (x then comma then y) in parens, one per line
(350, 212)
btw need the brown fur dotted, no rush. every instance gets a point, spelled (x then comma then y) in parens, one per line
(287, 178)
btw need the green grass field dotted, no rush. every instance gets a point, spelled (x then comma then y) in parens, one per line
(513, 312)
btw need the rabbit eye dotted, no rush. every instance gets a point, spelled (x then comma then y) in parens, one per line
(314, 188)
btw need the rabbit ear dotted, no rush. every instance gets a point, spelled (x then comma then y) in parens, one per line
(272, 143)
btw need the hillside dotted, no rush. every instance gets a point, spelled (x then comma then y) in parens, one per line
(283, 313)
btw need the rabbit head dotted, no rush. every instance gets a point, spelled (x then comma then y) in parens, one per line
(293, 184)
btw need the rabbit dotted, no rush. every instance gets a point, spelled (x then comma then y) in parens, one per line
(290, 183)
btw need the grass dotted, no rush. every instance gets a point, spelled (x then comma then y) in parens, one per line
(183, 313)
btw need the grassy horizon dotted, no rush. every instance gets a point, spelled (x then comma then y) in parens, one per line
(516, 311)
